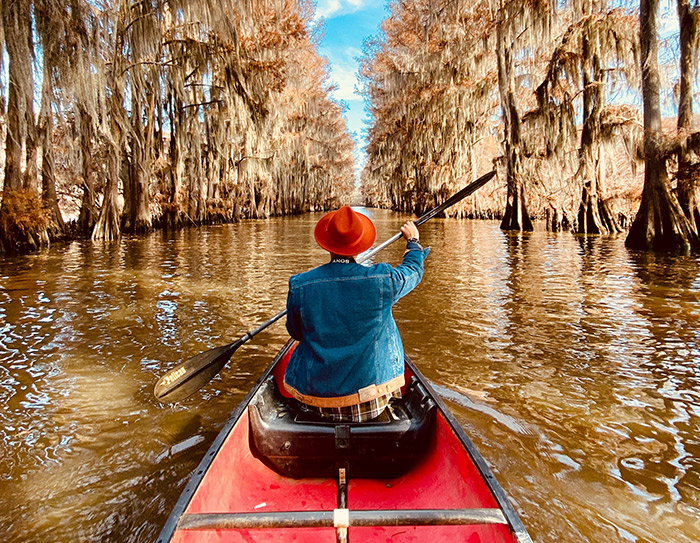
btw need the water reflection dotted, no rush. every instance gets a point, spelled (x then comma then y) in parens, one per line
(573, 363)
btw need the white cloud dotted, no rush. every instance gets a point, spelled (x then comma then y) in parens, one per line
(333, 8)
(345, 78)
(343, 72)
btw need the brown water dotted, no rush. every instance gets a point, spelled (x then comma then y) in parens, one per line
(572, 363)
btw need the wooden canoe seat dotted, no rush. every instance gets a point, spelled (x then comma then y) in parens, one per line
(296, 443)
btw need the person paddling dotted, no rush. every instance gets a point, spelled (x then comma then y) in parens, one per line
(349, 361)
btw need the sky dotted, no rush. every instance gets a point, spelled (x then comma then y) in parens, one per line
(346, 25)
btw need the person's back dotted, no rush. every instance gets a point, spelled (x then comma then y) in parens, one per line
(349, 360)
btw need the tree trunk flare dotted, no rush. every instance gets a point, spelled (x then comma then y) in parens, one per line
(688, 192)
(660, 224)
(556, 219)
(107, 226)
(594, 213)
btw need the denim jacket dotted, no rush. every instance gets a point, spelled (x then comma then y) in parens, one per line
(341, 315)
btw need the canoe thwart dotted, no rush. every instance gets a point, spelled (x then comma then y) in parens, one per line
(322, 519)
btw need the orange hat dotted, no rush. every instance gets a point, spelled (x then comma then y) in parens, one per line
(345, 232)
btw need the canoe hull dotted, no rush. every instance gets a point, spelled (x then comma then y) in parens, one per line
(450, 477)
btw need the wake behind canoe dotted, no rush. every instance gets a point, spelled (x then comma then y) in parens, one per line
(275, 474)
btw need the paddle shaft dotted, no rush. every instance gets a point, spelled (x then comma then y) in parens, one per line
(466, 191)
(195, 372)
(452, 200)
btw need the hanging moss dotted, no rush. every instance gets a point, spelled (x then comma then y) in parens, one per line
(456, 88)
(429, 81)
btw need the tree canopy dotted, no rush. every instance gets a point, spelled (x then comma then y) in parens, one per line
(543, 91)
(123, 115)
(164, 113)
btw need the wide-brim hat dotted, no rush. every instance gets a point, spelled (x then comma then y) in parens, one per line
(345, 232)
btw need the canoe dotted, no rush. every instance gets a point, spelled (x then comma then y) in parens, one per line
(275, 473)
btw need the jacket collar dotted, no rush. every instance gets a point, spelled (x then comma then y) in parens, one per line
(343, 259)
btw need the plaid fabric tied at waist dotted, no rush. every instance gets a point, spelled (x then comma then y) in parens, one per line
(362, 412)
(364, 395)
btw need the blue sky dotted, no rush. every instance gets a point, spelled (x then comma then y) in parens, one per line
(346, 24)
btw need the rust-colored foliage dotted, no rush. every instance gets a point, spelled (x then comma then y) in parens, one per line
(458, 87)
(22, 212)
(23, 220)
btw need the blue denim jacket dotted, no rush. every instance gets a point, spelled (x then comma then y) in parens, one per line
(341, 314)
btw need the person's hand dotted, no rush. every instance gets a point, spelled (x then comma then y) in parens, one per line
(410, 230)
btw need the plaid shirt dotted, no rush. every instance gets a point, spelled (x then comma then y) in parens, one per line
(363, 412)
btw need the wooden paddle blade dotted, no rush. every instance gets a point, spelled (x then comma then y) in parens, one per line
(193, 373)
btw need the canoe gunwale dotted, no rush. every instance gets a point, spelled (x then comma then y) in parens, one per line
(179, 520)
(516, 524)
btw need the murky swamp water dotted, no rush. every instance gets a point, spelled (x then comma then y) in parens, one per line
(573, 364)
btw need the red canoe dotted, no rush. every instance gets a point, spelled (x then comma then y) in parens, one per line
(275, 474)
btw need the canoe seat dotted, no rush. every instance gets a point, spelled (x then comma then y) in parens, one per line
(296, 443)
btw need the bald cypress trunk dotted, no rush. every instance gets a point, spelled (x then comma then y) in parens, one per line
(43, 10)
(3, 98)
(142, 36)
(253, 130)
(660, 224)
(173, 212)
(48, 164)
(594, 216)
(88, 206)
(15, 17)
(688, 171)
(107, 226)
(516, 216)
(22, 222)
(136, 217)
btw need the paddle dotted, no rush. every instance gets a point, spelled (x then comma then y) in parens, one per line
(195, 372)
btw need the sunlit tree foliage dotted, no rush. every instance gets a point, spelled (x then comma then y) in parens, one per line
(548, 84)
(165, 113)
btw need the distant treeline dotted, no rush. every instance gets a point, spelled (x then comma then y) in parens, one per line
(163, 113)
(532, 88)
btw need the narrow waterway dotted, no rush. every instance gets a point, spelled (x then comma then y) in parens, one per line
(573, 363)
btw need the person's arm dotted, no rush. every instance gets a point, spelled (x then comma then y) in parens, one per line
(408, 274)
